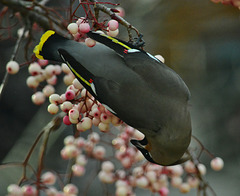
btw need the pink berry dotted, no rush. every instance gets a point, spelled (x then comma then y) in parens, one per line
(94, 137)
(142, 182)
(107, 166)
(52, 80)
(95, 121)
(79, 142)
(99, 152)
(58, 69)
(65, 68)
(113, 25)
(202, 169)
(53, 108)
(32, 82)
(55, 98)
(78, 170)
(50, 70)
(48, 90)
(84, 124)
(81, 160)
(70, 189)
(106, 177)
(15, 190)
(69, 140)
(66, 106)
(190, 167)
(71, 151)
(73, 113)
(184, 188)
(34, 69)
(70, 95)
(103, 127)
(217, 164)
(68, 79)
(48, 178)
(105, 118)
(164, 191)
(84, 27)
(90, 42)
(73, 28)
(29, 190)
(121, 11)
(113, 33)
(38, 98)
(122, 191)
(12, 67)
(176, 181)
(42, 62)
(77, 84)
(66, 120)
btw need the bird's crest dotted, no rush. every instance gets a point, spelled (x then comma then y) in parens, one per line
(37, 50)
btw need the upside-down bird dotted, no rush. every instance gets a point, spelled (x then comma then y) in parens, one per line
(133, 85)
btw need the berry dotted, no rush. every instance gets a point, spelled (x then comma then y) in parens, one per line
(14, 190)
(66, 106)
(90, 42)
(65, 68)
(78, 170)
(34, 69)
(103, 127)
(142, 182)
(66, 120)
(107, 166)
(42, 62)
(113, 25)
(184, 188)
(99, 152)
(70, 189)
(48, 178)
(48, 90)
(217, 164)
(84, 28)
(70, 95)
(81, 160)
(113, 33)
(38, 98)
(73, 114)
(73, 28)
(55, 98)
(77, 84)
(32, 82)
(12, 67)
(164, 191)
(53, 108)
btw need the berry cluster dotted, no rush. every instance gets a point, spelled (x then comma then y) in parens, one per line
(48, 179)
(235, 3)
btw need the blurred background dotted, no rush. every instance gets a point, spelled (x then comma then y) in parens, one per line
(200, 40)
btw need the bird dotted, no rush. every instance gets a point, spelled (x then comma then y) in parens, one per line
(133, 85)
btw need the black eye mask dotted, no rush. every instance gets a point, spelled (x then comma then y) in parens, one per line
(139, 145)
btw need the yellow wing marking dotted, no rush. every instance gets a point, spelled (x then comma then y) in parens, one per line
(78, 75)
(116, 41)
(44, 38)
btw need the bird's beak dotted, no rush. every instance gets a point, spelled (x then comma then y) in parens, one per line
(144, 147)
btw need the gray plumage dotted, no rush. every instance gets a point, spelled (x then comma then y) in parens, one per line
(142, 91)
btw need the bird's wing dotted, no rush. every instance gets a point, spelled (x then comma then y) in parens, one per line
(155, 73)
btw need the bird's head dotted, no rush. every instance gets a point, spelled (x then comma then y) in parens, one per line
(157, 151)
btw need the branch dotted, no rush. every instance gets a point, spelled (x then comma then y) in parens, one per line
(36, 12)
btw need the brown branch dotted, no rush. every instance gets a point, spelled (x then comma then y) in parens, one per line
(35, 13)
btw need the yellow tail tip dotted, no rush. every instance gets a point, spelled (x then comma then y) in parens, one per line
(38, 48)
